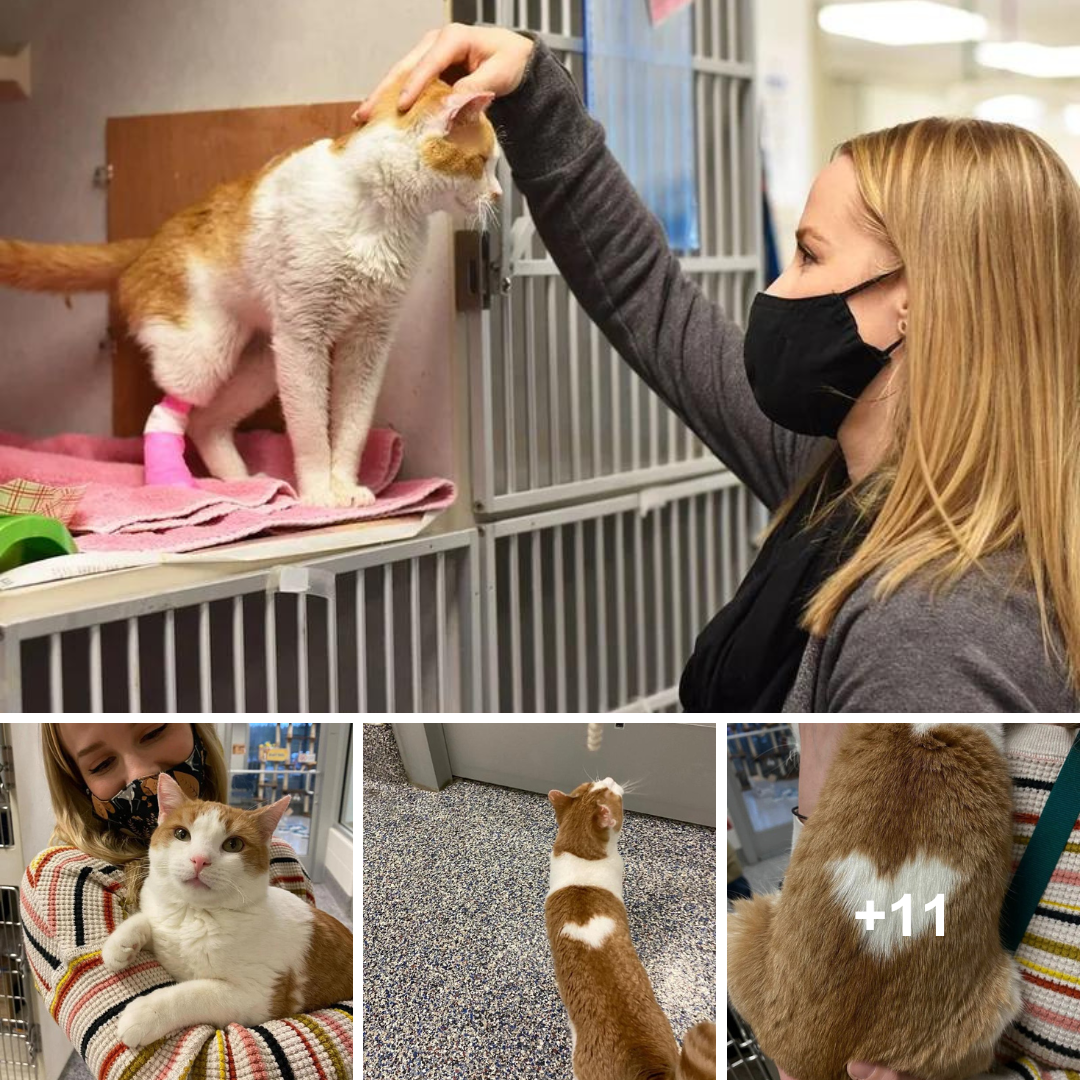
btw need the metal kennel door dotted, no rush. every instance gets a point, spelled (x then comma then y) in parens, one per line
(609, 533)
(557, 414)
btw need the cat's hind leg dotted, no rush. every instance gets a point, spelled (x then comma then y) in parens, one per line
(191, 360)
(213, 426)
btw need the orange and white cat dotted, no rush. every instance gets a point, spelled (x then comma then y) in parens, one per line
(884, 944)
(617, 1029)
(315, 250)
(207, 912)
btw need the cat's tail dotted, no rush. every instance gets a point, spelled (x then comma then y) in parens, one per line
(698, 1058)
(66, 268)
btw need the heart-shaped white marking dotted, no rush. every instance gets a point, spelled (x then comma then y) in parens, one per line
(856, 880)
(595, 932)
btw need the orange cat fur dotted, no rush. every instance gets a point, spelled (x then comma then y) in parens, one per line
(920, 809)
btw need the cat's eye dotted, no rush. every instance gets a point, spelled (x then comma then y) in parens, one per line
(181, 834)
(234, 843)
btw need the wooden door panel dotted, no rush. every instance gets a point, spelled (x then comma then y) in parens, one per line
(160, 164)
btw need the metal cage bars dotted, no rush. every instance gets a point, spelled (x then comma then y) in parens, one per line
(596, 608)
(345, 632)
(19, 1035)
(558, 415)
(745, 1060)
(584, 608)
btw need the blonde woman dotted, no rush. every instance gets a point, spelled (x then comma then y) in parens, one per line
(75, 893)
(905, 399)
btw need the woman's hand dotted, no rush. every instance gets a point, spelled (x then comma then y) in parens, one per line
(494, 58)
(862, 1070)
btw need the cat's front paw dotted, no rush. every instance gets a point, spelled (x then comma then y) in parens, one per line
(316, 492)
(347, 493)
(115, 955)
(141, 1023)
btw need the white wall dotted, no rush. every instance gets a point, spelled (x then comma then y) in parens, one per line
(339, 857)
(882, 105)
(788, 94)
(35, 812)
(129, 57)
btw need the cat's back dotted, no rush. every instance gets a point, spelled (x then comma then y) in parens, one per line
(618, 1028)
(894, 886)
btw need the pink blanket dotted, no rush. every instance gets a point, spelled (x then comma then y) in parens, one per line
(117, 513)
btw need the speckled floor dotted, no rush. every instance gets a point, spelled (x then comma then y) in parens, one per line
(458, 978)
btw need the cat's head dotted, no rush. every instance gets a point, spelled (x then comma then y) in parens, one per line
(450, 142)
(213, 855)
(590, 816)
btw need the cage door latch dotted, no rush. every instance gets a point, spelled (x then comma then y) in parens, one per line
(473, 270)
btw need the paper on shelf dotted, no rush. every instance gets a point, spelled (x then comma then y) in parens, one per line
(310, 542)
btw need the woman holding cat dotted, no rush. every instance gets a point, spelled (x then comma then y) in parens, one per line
(75, 894)
(905, 398)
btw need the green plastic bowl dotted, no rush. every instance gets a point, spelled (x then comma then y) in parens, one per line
(25, 538)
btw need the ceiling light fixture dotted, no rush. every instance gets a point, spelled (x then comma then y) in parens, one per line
(903, 22)
(1020, 109)
(1027, 58)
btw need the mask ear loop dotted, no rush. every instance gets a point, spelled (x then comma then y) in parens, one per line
(866, 284)
(887, 393)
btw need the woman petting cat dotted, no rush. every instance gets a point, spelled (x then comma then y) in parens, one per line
(105, 780)
(905, 398)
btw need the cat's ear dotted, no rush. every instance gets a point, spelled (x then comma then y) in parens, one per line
(268, 817)
(169, 795)
(560, 802)
(461, 108)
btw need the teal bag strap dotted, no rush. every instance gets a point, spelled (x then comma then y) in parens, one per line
(1044, 848)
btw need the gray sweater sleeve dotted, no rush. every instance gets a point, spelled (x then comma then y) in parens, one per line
(614, 254)
(973, 648)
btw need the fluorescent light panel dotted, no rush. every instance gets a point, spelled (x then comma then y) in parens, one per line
(1020, 109)
(1027, 58)
(903, 22)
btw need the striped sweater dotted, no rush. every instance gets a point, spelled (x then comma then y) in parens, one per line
(69, 906)
(1044, 1042)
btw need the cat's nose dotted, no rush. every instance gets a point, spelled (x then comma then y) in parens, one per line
(200, 861)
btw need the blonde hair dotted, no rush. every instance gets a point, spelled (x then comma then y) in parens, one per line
(985, 219)
(77, 825)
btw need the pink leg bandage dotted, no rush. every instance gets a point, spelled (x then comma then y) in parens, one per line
(163, 444)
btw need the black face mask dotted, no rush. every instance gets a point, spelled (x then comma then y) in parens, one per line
(134, 809)
(805, 360)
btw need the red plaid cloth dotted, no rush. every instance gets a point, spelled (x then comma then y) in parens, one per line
(27, 497)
